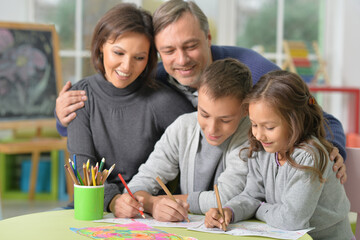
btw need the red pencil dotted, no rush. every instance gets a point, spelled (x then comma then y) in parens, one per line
(127, 188)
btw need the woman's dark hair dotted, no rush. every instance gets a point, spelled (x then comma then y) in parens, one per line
(123, 18)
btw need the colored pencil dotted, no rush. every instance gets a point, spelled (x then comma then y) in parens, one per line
(220, 207)
(168, 193)
(75, 167)
(85, 175)
(93, 175)
(101, 164)
(88, 164)
(108, 173)
(127, 188)
(71, 173)
(79, 177)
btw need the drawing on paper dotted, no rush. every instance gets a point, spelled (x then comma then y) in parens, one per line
(128, 231)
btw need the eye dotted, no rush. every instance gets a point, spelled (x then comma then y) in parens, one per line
(168, 52)
(139, 58)
(192, 46)
(226, 121)
(204, 115)
(269, 128)
(118, 53)
(253, 125)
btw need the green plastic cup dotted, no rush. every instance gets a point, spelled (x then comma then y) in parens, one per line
(88, 202)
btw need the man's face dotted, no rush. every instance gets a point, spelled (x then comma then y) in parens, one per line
(184, 49)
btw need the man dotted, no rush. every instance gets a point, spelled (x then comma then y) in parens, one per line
(183, 40)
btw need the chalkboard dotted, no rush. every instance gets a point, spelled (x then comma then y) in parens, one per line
(30, 74)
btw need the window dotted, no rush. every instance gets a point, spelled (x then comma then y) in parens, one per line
(74, 21)
(260, 24)
(264, 24)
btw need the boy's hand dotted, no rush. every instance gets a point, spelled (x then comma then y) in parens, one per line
(339, 165)
(214, 219)
(124, 206)
(167, 210)
(67, 103)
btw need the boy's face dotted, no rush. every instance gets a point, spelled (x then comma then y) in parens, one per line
(267, 127)
(218, 118)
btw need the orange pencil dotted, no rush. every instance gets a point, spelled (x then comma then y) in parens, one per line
(127, 188)
(168, 193)
(220, 207)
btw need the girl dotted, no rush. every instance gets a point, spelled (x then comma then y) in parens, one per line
(290, 184)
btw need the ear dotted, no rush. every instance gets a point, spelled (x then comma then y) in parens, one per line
(209, 38)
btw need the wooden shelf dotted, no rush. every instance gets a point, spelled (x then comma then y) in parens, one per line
(34, 147)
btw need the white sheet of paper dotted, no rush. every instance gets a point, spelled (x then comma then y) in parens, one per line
(195, 220)
(248, 228)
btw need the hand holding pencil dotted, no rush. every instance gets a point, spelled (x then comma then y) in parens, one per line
(223, 224)
(130, 193)
(218, 217)
(168, 193)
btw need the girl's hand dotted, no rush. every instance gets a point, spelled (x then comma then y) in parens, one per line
(214, 219)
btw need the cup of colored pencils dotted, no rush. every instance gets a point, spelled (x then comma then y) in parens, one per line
(88, 189)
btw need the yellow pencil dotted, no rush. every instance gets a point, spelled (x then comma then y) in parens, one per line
(220, 207)
(93, 175)
(168, 193)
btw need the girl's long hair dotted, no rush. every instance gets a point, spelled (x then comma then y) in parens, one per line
(290, 97)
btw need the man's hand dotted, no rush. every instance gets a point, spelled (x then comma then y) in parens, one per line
(339, 165)
(166, 210)
(124, 206)
(67, 103)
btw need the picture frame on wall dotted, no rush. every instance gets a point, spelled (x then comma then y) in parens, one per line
(30, 74)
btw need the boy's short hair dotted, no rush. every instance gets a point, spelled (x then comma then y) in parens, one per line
(226, 77)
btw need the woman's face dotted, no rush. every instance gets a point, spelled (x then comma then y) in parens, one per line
(125, 58)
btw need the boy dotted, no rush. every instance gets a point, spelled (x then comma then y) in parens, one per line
(203, 147)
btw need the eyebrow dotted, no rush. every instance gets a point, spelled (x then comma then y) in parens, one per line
(192, 40)
(143, 52)
(266, 122)
(226, 116)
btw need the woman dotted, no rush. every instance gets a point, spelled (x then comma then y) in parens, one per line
(126, 112)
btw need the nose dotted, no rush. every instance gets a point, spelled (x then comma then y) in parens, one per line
(126, 65)
(182, 57)
(212, 127)
(258, 134)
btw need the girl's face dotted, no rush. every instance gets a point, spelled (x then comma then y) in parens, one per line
(267, 127)
(218, 118)
(125, 58)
